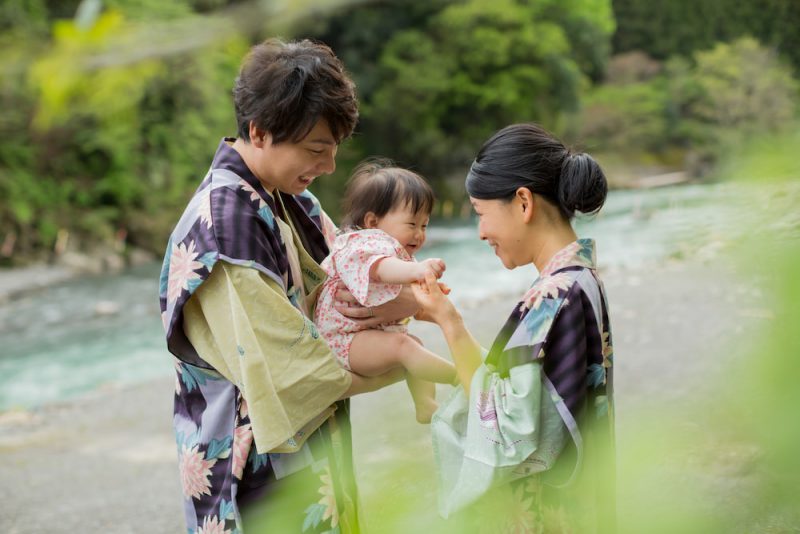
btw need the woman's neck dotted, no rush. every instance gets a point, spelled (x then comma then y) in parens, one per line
(555, 240)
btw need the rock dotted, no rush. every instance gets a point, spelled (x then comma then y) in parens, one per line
(139, 256)
(106, 308)
(80, 263)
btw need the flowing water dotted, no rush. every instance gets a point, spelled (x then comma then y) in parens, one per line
(103, 331)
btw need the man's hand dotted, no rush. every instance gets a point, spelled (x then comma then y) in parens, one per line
(405, 305)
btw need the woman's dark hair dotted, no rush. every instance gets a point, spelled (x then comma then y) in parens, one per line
(378, 186)
(526, 155)
(286, 88)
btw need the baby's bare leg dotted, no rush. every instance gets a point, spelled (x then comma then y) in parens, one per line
(376, 351)
(373, 352)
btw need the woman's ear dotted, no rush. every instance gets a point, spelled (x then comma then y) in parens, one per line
(526, 201)
(370, 220)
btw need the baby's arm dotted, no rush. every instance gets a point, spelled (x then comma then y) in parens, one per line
(396, 271)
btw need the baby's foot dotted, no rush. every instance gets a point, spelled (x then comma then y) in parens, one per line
(425, 410)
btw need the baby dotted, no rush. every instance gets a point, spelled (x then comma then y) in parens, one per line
(386, 214)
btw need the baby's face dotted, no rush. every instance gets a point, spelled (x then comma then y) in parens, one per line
(406, 226)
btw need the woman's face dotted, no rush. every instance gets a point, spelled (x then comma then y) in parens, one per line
(502, 225)
(292, 167)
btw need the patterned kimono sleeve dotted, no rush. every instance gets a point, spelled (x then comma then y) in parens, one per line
(354, 259)
(507, 429)
(242, 323)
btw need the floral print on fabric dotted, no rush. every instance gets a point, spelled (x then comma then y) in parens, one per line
(539, 409)
(183, 267)
(352, 256)
(231, 217)
(195, 472)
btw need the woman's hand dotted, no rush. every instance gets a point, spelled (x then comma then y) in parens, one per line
(433, 302)
(405, 305)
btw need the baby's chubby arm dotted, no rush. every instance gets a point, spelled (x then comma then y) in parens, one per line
(397, 271)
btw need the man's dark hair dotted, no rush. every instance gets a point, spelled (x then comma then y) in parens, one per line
(286, 88)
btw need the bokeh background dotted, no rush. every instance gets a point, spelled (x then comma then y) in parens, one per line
(111, 111)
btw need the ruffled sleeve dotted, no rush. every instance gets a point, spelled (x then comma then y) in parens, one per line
(354, 255)
(241, 323)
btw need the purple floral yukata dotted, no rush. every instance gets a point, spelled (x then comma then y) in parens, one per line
(531, 448)
(231, 218)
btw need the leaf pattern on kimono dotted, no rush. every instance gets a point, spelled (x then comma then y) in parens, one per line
(314, 515)
(257, 461)
(596, 375)
(266, 214)
(192, 377)
(254, 196)
(219, 448)
(547, 287)
(538, 324)
(316, 208)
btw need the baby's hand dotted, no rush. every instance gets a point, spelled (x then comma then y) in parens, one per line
(435, 266)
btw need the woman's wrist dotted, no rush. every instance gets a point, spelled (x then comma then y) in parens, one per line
(450, 320)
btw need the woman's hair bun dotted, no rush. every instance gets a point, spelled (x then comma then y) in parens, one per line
(582, 185)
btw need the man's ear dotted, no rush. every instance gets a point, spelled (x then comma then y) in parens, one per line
(526, 202)
(370, 220)
(258, 137)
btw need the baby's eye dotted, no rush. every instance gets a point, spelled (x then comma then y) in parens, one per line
(315, 152)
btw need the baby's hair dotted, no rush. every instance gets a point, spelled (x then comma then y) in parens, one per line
(378, 186)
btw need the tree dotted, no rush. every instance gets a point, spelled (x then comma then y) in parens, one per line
(475, 67)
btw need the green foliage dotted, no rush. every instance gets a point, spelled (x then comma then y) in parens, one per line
(97, 140)
(705, 104)
(664, 29)
(739, 86)
(474, 67)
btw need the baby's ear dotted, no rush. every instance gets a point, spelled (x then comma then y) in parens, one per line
(370, 220)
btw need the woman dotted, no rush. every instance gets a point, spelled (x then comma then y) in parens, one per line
(261, 428)
(526, 443)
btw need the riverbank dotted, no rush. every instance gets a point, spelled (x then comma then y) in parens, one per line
(106, 462)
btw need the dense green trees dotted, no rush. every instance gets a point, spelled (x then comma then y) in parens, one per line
(109, 117)
(663, 29)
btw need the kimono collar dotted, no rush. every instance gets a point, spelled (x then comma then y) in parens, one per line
(580, 253)
(227, 158)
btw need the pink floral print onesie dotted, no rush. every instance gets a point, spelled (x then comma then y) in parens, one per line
(352, 255)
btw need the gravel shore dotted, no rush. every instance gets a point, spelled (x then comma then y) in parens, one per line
(107, 463)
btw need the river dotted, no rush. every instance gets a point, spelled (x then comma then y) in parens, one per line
(105, 331)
